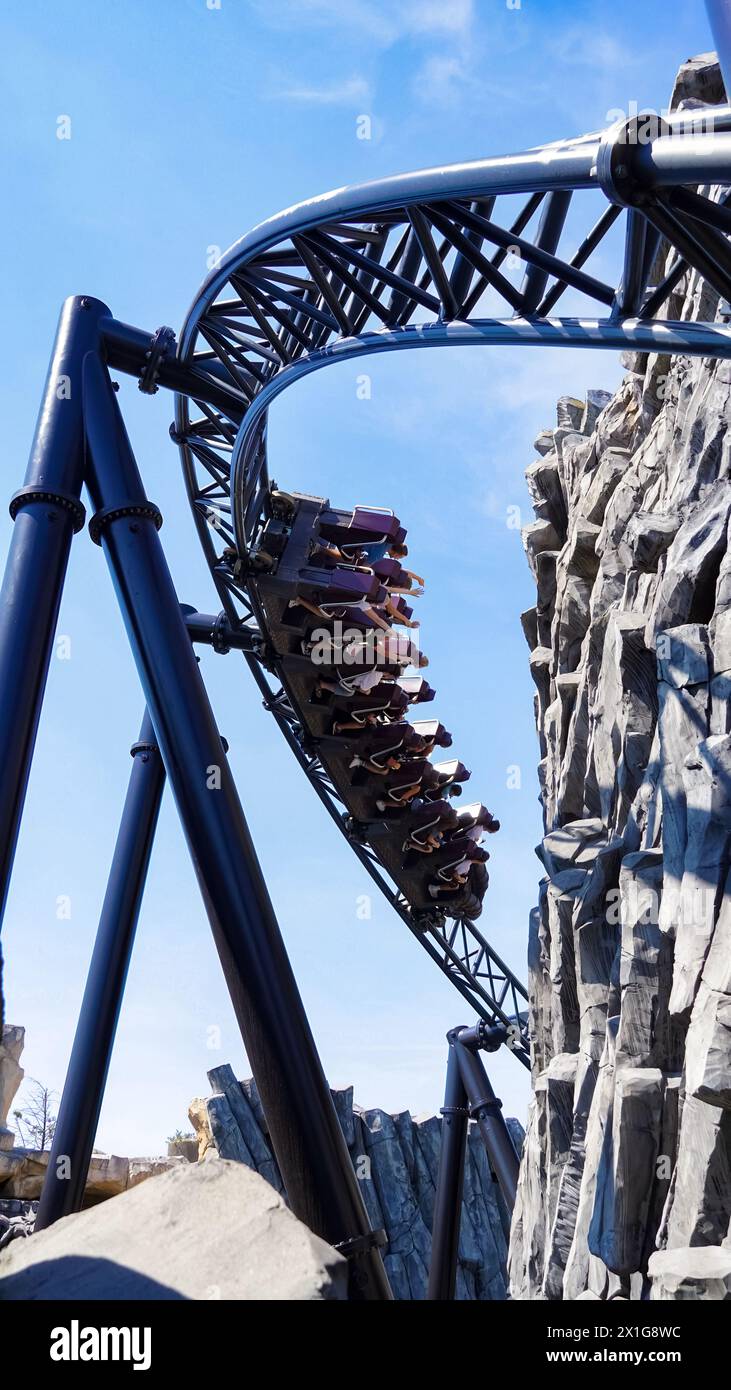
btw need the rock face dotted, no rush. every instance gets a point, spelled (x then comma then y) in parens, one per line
(11, 1075)
(626, 1172)
(22, 1172)
(396, 1160)
(212, 1230)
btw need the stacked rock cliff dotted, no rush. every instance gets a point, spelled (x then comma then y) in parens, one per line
(396, 1159)
(625, 1183)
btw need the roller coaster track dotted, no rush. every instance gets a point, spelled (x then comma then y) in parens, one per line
(478, 253)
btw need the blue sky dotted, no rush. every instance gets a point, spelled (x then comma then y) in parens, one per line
(190, 123)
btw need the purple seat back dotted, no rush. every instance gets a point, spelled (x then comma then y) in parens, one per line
(411, 772)
(332, 584)
(389, 570)
(391, 736)
(437, 813)
(380, 523)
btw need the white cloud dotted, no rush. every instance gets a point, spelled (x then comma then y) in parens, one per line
(440, 79)
(589, 48)
(344, 93)
(382, 22)
(437, 16)
(441, 27)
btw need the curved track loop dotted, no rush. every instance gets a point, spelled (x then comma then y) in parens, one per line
(421, 260)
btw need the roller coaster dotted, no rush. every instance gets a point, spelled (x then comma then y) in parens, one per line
(478, 254)
(345, 275)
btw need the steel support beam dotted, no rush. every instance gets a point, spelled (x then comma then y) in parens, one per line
(126, 349)
(486, 1111)
(307, 1139)
(217, 631)
(450, 1185)
(83, 1092)
(47, 510)
(468, 1095)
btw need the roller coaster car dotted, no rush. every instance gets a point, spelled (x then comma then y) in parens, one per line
(381, 711)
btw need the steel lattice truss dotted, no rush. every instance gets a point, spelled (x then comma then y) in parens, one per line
(479, 253)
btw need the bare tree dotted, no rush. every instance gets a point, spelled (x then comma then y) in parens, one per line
(35, 1122)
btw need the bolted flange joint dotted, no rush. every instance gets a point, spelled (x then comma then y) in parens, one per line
(64, 500)
(617, 169)
(144, 748)
(146, 510)
(162, 345)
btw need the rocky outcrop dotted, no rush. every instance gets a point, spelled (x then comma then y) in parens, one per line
(22, 1172)
(12, 1039)
(625, 1185)
(396, 1161)
(211, 1230)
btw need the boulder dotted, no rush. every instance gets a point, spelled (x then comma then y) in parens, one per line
(396, 1162)
(212, 1230)
(691, 1274)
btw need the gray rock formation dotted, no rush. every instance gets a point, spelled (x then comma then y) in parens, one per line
(396, 1160)
(211, 1230)
(11, 1075)
(625, 1187)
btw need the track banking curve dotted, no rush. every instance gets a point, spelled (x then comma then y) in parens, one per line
(479, 254)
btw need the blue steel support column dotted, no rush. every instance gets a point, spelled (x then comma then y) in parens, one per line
(468, 1095)
(83, 1092)
(450, 1182)
(486, 1111)
(47, 511)
(307, 1139)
